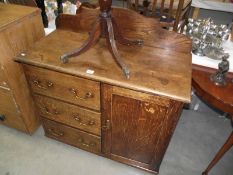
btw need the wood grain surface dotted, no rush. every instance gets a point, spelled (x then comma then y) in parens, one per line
(132, 25)
(153, 70)
(72, 136)
(138, 115)
(20, 27)
(68, 114)
(139, 130)
(64, 87)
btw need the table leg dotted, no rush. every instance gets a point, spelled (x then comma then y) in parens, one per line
(59, 6)
(232, 31)
(41, 5)
(228, 144)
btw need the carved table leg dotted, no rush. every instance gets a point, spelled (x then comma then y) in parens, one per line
(40, 4)
(94, 36)
(105, 27)
(228, 144)
(59, 6)
(113, 48)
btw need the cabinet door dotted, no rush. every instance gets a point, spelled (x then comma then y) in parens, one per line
(136, 127)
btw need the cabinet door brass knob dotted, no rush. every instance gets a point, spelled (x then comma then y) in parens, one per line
(107, 125)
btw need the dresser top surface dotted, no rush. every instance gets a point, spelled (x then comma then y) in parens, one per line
(10, 13)
(152, 70)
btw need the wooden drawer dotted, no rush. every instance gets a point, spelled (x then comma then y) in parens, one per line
(76, 90)
(72, 115)
(9, 113)
(72, 136)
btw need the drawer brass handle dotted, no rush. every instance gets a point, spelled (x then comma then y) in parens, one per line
(89, 123)
(38, 84)
(2, 117)
(83, 143)
(56, 134)
(47, 111)
(86, 96)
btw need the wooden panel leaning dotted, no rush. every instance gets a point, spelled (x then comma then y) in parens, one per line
(20, 27)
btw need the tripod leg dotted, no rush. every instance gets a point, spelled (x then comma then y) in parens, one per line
(94, 36)
(113, 48)
(119, 37)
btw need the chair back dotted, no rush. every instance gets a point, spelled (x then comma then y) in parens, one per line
(169, 12)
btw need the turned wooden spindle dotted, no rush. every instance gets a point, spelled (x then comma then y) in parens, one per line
(106, 27)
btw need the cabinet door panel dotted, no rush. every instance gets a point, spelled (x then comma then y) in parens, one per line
(137, 127)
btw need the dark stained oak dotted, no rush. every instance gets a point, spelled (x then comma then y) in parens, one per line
(78, 117)
(137, 131)
(72, 136)
(77, 90)
(137, 115)
(139, 27)
(153, 70)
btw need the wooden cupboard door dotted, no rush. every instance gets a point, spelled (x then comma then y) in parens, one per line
(133, 124)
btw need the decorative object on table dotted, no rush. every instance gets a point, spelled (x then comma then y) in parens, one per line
(107, 27)
(207, 38)
(219, 77)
